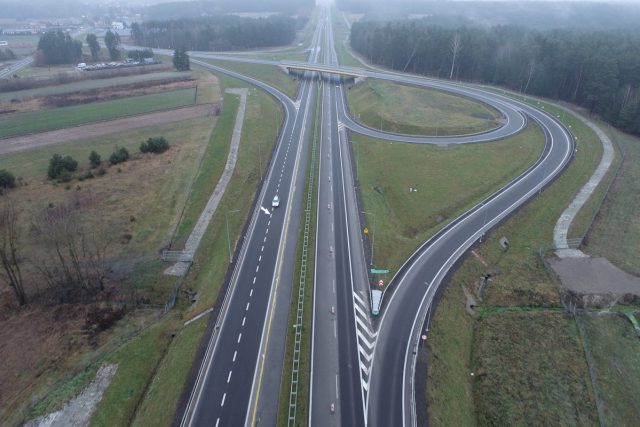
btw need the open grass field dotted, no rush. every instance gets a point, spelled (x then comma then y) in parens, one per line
(21, 45)
(616, 231)
(514, 385)
(267, 73)
(209, 268)
(445, 182)
(615, 348)
(89, 84)
(418, 111)
(31, 122)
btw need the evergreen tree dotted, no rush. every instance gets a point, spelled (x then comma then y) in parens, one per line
(181, 59)
(94, 46)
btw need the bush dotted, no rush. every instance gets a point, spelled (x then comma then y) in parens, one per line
(120, 155)
(101, 172)
(7, 180)
(154, 145)
(61, 167)
(95, 159)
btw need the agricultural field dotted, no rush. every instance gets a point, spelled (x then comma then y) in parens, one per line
(40, 121)
(90, 84)
(21, 45)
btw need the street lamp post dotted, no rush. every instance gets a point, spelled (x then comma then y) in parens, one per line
(373, 234)
(226, 219)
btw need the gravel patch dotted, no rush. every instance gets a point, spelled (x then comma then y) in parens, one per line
(78, 411)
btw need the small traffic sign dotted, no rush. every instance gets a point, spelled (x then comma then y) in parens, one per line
(374, 271)
(381, 283)
(365, 230)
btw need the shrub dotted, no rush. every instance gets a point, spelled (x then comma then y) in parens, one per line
(61, 167)
(120, 155)
(155, 145)
(95, 159)
(7, 180)
(101, 172)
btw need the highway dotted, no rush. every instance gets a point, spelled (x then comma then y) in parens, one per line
(340, 277)
(366, 374)
(16, 66)
(230, 379)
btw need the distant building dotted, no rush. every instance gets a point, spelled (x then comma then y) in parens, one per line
(116, 25)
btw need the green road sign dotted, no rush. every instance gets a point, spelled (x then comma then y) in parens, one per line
(374, 271)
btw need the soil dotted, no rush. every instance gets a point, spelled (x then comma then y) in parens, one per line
(33, 341)
(594, 276)
(26, 142)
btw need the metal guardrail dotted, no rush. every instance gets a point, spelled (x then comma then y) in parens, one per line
(297, 342)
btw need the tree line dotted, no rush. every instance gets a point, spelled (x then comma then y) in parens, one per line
(600, 71)
(216, 33)
(194, 9)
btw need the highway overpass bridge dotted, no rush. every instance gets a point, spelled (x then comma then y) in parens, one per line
(354, 73)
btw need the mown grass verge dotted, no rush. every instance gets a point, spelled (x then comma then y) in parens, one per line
(305, 347)
(405, 109)
(60, 118)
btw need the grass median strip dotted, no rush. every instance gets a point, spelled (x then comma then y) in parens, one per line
(58, 118)
(306, 285)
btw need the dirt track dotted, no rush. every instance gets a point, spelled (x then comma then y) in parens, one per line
(27, 142)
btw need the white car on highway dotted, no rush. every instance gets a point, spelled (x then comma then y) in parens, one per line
(275, 202)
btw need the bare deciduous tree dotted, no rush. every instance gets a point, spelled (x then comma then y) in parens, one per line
(76, 256)
(9, 251)
(454, 47)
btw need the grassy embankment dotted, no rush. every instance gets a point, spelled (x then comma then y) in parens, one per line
(59, 118)
(269, 74)
(305, 347)
(163, 381)
(616, 231)
(418, 111)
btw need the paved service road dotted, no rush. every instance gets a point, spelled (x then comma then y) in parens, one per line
(16, 66)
